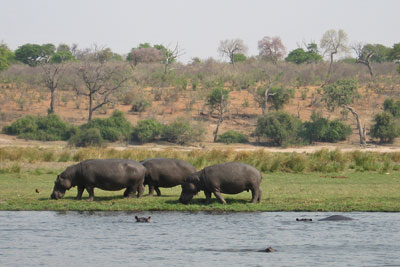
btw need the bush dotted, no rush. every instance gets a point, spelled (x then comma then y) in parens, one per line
(87, 137)
(140, 105)
(182, 132)
(231, 137)
(146, 130)
(114, 128)
(281, 127)
(392, 106)
(385, 127)
(45, 128)
(323, 130)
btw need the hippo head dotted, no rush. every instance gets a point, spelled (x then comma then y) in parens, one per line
(190, 187)
(60, 186)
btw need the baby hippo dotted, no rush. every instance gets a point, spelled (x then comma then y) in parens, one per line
(228, 178)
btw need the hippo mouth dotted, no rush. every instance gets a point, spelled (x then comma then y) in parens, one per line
(57, 195)
(185, 199)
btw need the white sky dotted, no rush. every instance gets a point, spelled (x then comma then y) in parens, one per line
(197, 25)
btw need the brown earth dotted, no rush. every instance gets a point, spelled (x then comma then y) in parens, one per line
(16, 102)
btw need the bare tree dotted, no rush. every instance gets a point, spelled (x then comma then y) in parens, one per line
(231, 47)
(99, 81)
(144, 55)
(52, 76)
(364, 56)
(271, 48)
(334, 42)
(169, 55)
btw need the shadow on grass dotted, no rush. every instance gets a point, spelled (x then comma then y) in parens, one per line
(213, 201)
(96, 198)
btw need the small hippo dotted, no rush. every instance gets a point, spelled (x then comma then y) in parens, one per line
(142, 219)
(228, 178)
(106, 174)
(164, 172)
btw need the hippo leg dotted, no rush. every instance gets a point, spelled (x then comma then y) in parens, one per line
(219, 197)
(140, 190)
(157, 190)
(80, 192)
(151, 190)
(91, 193)
(129, 192)
(255, 193)
(259, 195)
(208, 196)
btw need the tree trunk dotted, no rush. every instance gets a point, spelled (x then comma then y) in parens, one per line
(90, 108)
(51, 110)
(361, 130)
(216, 130)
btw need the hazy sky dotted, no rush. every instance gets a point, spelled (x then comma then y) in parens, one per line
(197, 26)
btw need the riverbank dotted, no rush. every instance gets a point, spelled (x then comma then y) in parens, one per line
(30, 189)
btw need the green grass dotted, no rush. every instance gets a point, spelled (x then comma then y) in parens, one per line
(358, 191)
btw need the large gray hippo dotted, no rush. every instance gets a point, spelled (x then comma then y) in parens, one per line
(228, 178)
(106, 174)
(164, 172)
(336, 218)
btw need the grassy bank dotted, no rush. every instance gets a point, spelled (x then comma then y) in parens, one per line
(347, 191)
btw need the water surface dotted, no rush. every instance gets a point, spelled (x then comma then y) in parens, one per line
(197, 239)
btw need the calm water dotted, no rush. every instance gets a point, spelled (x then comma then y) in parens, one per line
(197, 239)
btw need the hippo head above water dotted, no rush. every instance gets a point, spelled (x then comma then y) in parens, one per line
(60, 186)
(190, 188)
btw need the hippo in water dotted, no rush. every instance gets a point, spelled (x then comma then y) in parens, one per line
(336, 218)
(142, 219)
(228, 178)
(164, 172)
(106, 174)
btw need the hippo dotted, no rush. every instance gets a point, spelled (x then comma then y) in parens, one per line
(106, 174)
(304, 220)
(228, 178)
(336, 218)
(142, 219)
(164, 172)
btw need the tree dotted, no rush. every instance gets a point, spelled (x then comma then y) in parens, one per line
(231, 47)
(385, 127)
(99, 80)
(334, 42)
(394, 54)
(144, 55)
(169, 55)
(300, 56)
(6, 56)
(33, 54)
(340, 95)
(271, 48)
(218, 101)
(364, 56)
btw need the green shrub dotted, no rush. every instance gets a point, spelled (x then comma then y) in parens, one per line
(114, 128)
(281, 127)
(323, 130)
(392, 106)
(146, 131)
(385, 127)
(181, 131)
(230, 137)
(140, 105)
(87, 137)
(45, 128)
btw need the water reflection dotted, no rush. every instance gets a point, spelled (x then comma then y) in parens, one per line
(199, 239)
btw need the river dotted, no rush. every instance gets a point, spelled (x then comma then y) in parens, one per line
(48, 238)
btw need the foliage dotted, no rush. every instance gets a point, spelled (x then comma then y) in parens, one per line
(392, 106)
(87, 137)
(239, 57)
(394, 54)
(323, 130)
(217, 98)
(230, 137)
(380, 52)
(147, 131)
(33, 54)
(231, 47)
(114, 128)
(300, 56)
(6, 56)
(340, 93)
(140, 105)
(385, 127)
(281, 127)
(280, 96)
(62, 56)
(182, 132)
(46, 128)
(144, 54)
